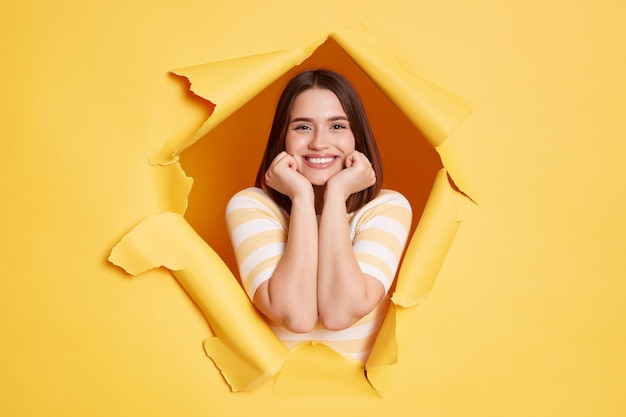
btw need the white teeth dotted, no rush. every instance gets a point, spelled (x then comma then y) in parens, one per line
(321, 160)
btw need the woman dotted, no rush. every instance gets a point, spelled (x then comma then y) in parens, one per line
(317, 241)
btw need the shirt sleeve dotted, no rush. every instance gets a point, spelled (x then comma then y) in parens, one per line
(380, 231)
(258, 234)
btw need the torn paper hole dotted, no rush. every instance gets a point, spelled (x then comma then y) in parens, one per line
(245, 350)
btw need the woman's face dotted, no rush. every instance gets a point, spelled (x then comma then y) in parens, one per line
(318, 136)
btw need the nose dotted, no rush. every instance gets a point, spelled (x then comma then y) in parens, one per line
(318, 141)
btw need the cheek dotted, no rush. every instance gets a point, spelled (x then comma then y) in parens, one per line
(291, 145)
(348, 143)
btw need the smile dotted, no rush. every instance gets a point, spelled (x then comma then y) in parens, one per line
(325, 160)
(320, 161)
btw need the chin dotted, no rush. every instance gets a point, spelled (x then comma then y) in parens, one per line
(320, 179)
(319, 183)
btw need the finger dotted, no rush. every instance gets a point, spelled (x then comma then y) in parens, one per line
(358, 159)
(274, 161)
(291, 162)
(279, 157)
(283, 160)
(351, 159)
(364, 158)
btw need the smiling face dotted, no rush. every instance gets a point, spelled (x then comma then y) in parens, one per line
(318, 136)
(315, 97)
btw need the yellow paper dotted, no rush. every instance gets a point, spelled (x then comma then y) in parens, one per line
(154, 243)
(432, 109)
(245, 349)
(230, 84)
(429, 245)
(424, 256)
(526, 315)
(316, 371)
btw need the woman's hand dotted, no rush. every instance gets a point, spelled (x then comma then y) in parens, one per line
(344, 292)
(289, 297)
(284, 177)
(357, 175)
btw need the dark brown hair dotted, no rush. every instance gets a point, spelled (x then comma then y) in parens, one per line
(359, 123)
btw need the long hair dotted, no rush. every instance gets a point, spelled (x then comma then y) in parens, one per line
(359, 123)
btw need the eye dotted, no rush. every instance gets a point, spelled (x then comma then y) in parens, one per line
(301, 127)
(338, 126)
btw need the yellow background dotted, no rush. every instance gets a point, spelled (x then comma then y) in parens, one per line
(527, 316)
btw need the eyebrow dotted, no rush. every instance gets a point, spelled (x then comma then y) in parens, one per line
(308, 119)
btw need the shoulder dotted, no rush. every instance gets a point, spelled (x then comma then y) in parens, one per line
(249, 198)
(389, 199)
(253, 203)
(387, 206)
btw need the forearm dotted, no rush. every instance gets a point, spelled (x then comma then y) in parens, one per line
(345, 293)
(289, 297)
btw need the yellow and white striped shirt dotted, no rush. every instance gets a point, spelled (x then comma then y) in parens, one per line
(379, 230)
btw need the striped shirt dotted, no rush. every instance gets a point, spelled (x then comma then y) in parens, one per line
(379, 230)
